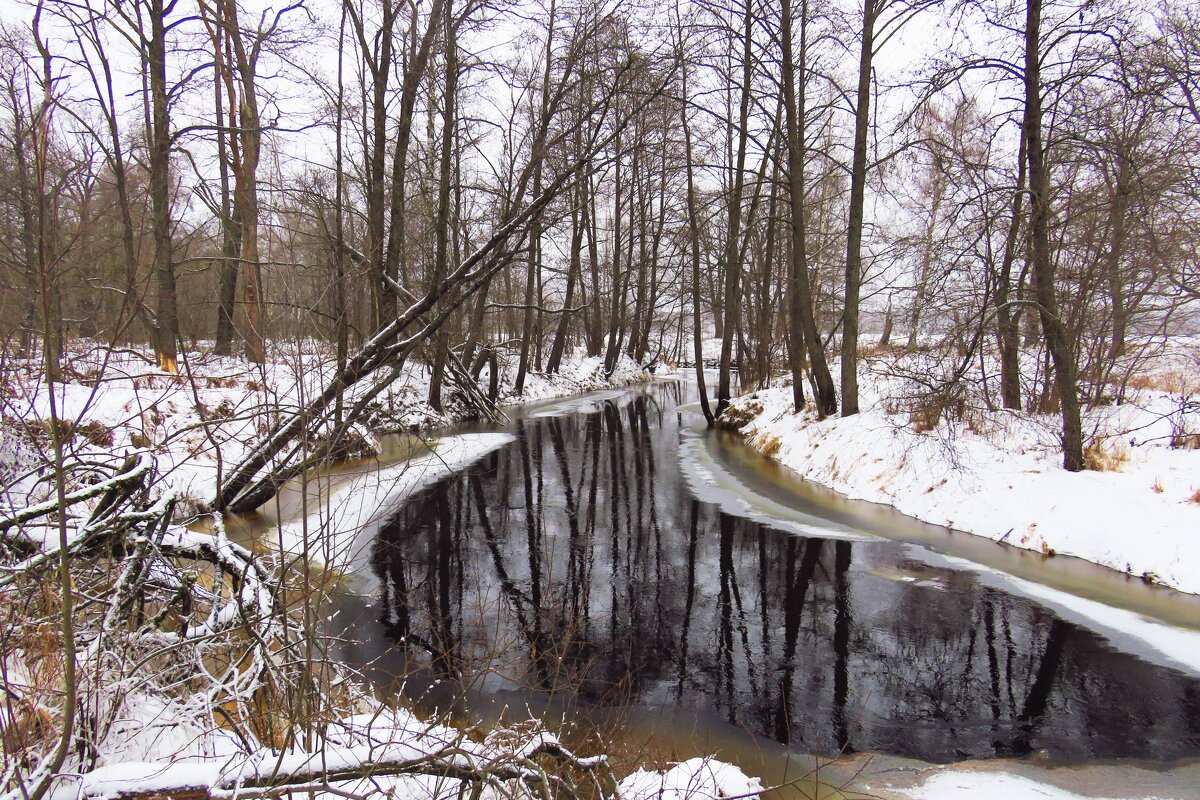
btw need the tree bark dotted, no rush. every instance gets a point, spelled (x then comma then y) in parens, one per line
(449, 123)
(802, 323)
(246, 182)
(1007, 318)
(1116, 246)
(1058, 341)
(166, 312)
(694, 242)
(227, 288)
(733, 270)
(858, 185)
(574, 265)
(533, 264)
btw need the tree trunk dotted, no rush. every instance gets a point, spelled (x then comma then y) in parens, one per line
(341, 323)
(655, 248)
(391, 267)
(532, 269)
(694, 241)
(1058, 342)
(595, 326)
(858, 185)
(246, 177)
(613, 348)
(574, 266)
(1008, 318)
(166, 328)
(28, 215)
(733, 270)
(1116, 246)
(885, 338)
(227, 287)
(449, 122)
(802, 321)
(533, 264)
(380, 68)
(928, 247)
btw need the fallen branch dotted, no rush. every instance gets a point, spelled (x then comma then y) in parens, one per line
(267, 774)
(133, 474)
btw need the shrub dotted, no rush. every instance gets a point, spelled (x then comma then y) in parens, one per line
(927, 410)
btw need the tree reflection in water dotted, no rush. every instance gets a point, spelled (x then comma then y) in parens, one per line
(577, 561)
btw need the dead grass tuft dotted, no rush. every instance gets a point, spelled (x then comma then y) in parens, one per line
(1099, 457)
(769, 444)
(1182, 440)
(1173, 382)
(740, 415)
(1195, 498)
(927, 411)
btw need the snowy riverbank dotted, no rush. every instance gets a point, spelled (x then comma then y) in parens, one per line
(998, 473)
(198, 423)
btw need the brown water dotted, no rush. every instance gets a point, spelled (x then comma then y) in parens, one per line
(621, 569)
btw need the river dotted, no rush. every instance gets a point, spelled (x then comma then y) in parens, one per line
(616, 561)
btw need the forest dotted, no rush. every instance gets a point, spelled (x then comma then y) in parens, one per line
(241, 240)
(612, 177)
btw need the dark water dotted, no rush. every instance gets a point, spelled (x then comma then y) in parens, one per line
(577, 564)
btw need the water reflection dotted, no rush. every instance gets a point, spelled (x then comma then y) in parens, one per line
(575, 562)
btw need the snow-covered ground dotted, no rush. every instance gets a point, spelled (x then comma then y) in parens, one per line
(896, 779)
(154, 750)
(998, 473)
(202, 421)
(954, 784)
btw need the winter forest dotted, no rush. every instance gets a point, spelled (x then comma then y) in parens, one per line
(407, 397)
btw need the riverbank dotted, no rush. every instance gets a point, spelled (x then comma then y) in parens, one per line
(998, 473)
(200, 422)
(612, 461)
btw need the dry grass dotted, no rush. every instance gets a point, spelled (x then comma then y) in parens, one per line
(768, 444)
(740, 415)
(1195, 498)
(1183, 440)
(1100, 457)
(924, 419)
(1157, 486)
(1173, 382)
(97, 433)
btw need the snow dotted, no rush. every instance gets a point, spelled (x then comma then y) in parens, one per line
(1130, 632)
(953, 785)
(998, 474)
(187, 429)
(578, 374)
(392, 748)
(217, 408)
(362, 502)
(694, 779)
(707, 478)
